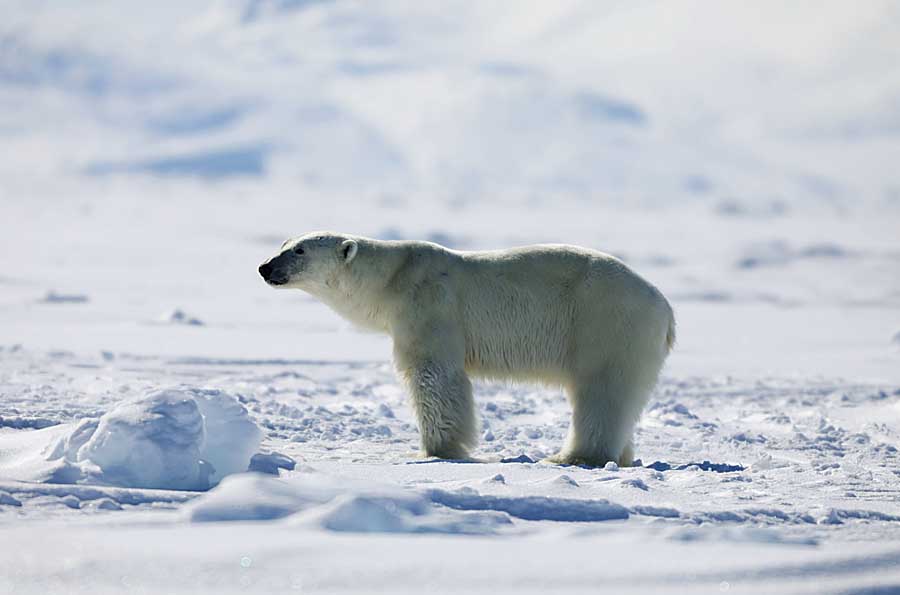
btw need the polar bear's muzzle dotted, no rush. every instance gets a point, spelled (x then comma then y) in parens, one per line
(272, 273)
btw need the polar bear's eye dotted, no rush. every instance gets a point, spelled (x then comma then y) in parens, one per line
(298, 250)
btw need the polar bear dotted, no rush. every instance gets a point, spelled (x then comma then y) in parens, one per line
(554, 314)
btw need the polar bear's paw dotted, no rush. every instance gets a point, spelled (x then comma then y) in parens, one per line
(575, 460)
(447, 452)
(588, 461)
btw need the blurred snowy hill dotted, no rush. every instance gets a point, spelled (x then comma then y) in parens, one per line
(761, 107)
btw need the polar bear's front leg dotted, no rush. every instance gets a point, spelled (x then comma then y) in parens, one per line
(442, 399)
(429, 353)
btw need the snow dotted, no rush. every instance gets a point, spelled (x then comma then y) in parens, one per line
(316, 501)
(740, 157)
(179, 438)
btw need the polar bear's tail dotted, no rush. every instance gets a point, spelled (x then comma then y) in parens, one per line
(670, 333)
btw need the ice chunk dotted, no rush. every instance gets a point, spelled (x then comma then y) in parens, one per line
(270, 463)
(522, 458)
(105, 504)
(8, 500)
(636, 483)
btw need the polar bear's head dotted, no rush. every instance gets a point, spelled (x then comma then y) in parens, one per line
(310, 261)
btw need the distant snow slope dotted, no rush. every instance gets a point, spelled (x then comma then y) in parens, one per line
(741, 157)
(632, 101)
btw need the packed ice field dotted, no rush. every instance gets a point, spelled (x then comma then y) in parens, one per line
(170, 424)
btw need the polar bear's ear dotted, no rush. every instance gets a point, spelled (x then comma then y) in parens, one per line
(349, 249)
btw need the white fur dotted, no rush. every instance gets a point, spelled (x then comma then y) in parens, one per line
(551, 313)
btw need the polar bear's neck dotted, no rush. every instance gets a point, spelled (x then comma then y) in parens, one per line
(361, 293)
(355, 308)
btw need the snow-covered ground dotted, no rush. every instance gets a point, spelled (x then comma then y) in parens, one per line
(743, 158)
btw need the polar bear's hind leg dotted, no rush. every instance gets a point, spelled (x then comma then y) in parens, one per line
(602, 422)
(626, 459)
(606, 406)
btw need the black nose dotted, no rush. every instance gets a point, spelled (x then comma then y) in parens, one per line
(265, 269)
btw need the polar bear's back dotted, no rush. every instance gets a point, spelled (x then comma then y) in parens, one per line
(533, 312)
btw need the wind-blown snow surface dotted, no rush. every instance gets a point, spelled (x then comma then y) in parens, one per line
(740, 157)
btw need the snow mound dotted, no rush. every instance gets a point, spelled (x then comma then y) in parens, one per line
(323, 503)
(256, 497)
(154, 442)
(369, 514)
(180, 438)
(360, 513)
